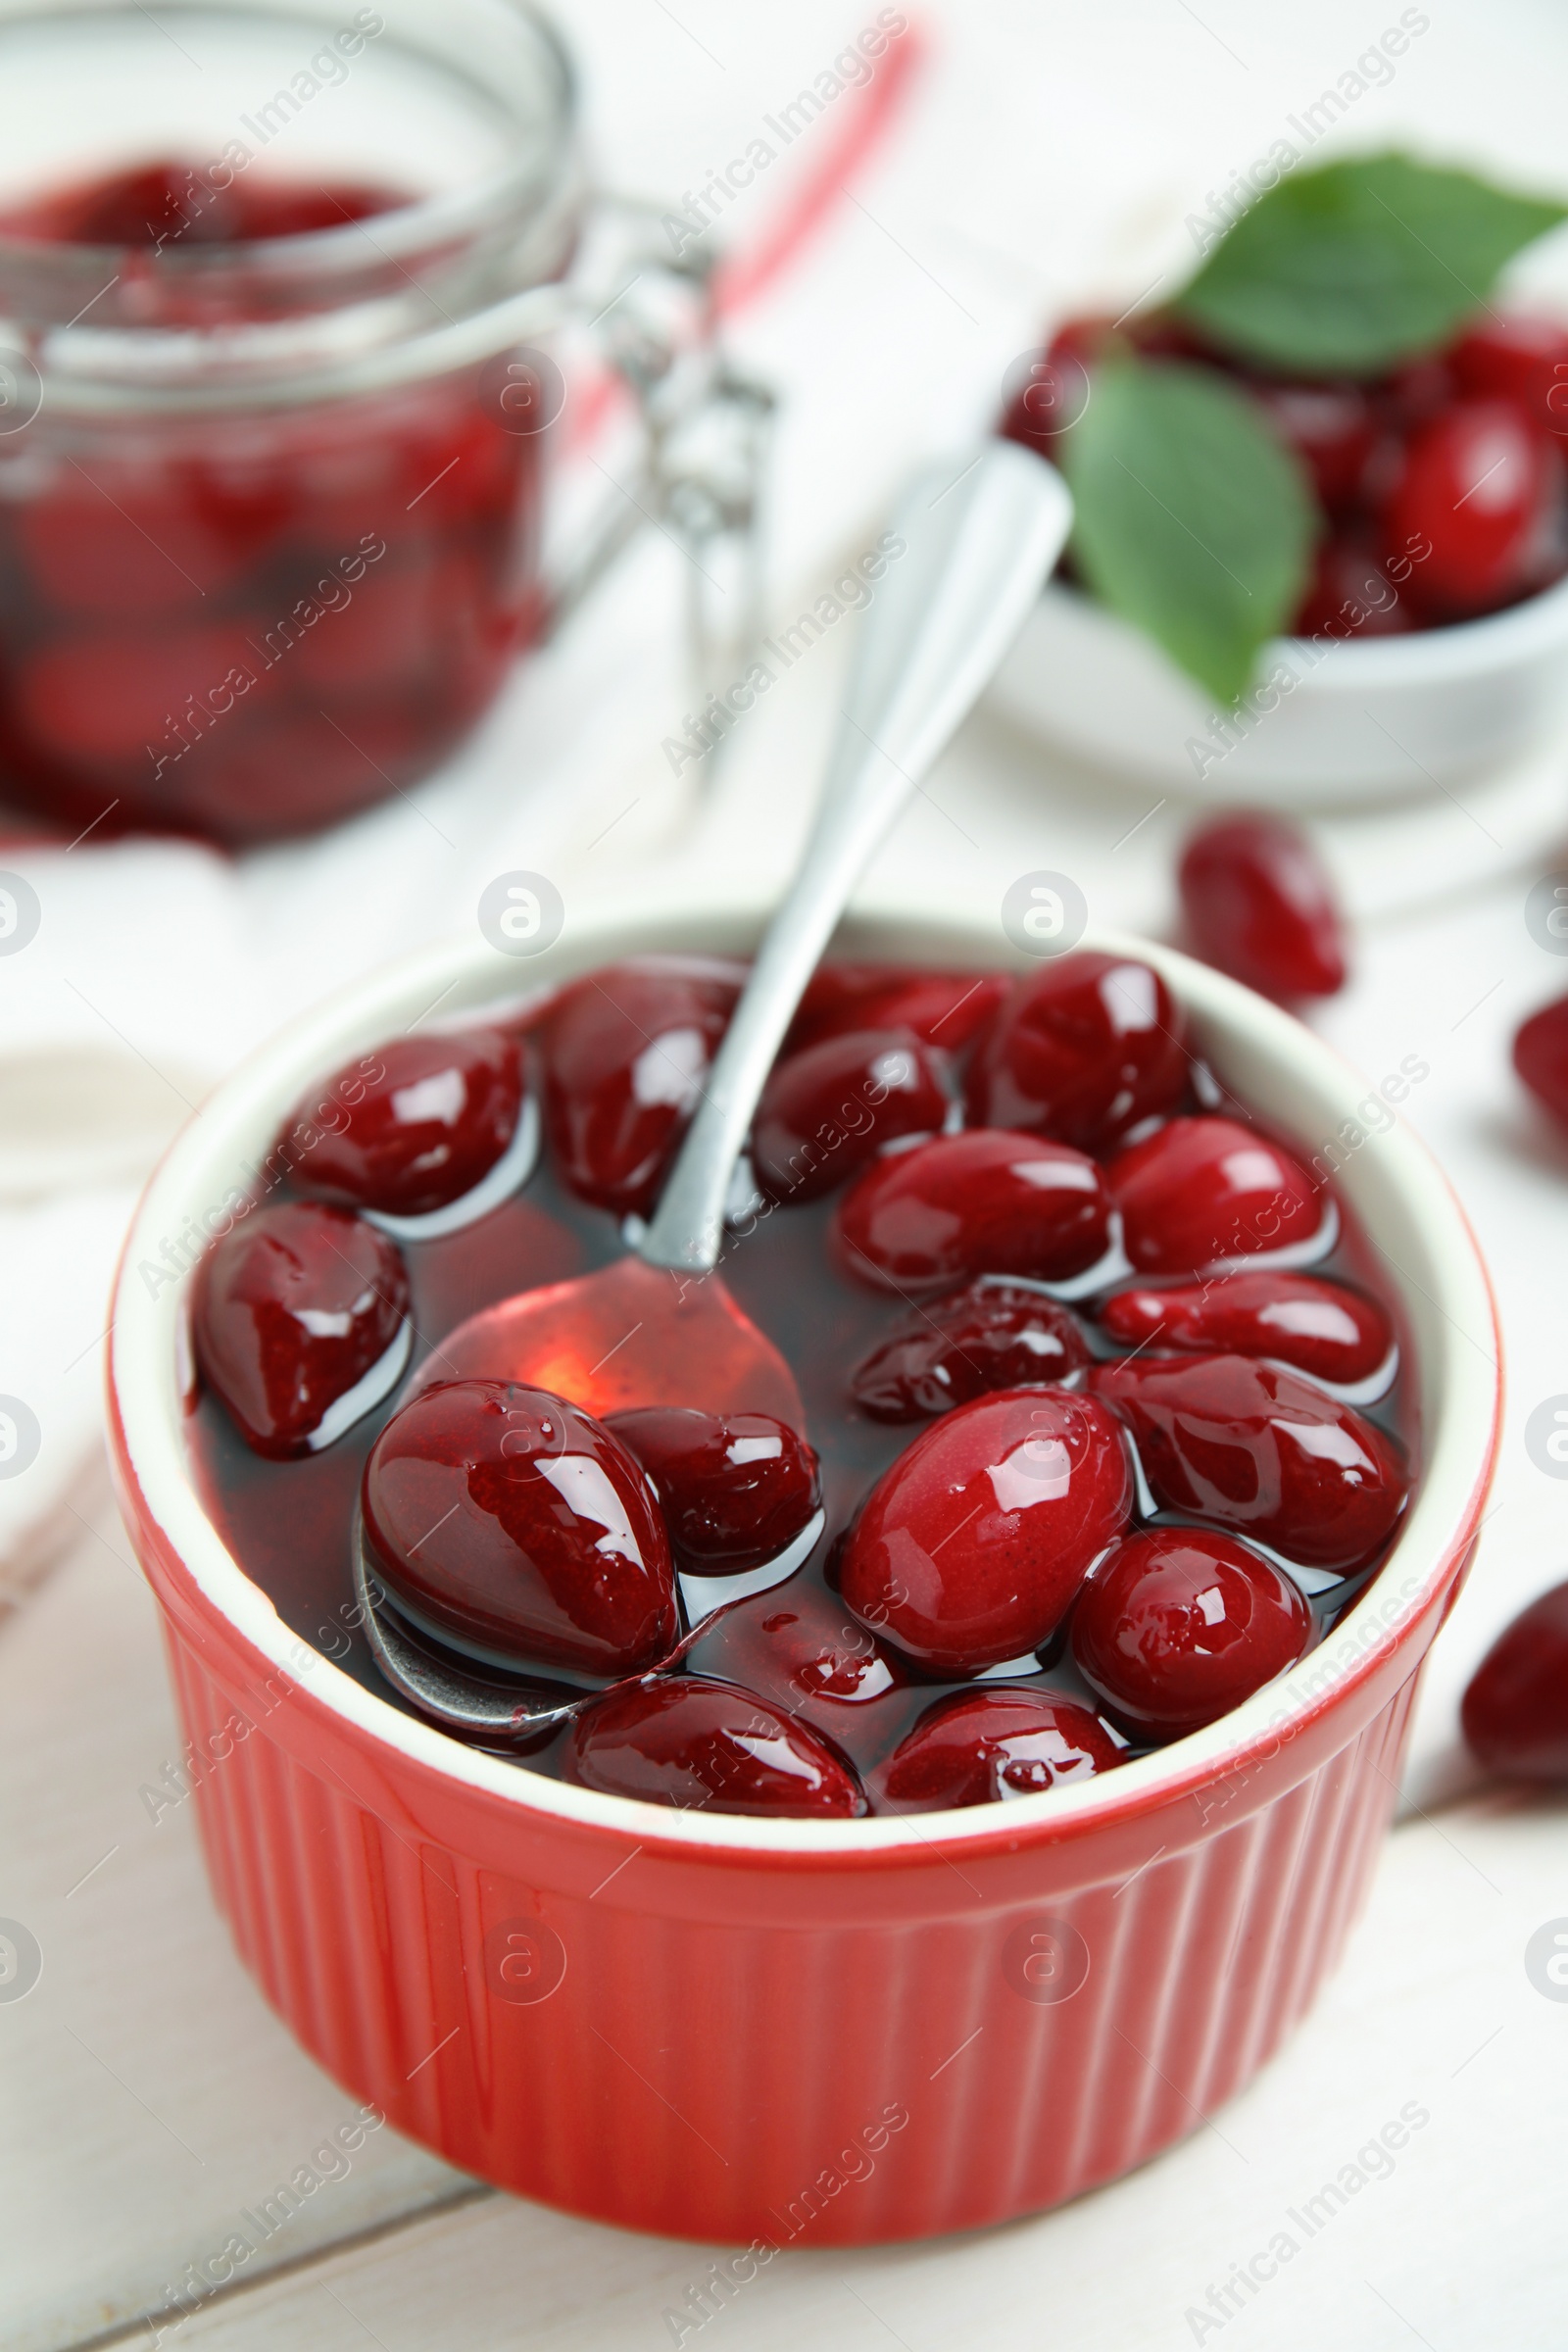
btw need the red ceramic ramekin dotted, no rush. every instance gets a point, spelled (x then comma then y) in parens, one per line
(793, 2031)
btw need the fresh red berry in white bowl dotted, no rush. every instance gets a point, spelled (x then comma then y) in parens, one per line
(1483, 488)
(1520, 356)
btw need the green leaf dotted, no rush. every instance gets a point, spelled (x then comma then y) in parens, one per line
(1191, 519)
(1354, 266)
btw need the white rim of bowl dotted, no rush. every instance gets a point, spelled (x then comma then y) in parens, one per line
(1461, 1380)
(1445, 653)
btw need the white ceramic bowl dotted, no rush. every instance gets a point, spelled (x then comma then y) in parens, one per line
(1390, 717)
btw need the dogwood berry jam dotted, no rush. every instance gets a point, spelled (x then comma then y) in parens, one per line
(244, 618)
(1093, 1447)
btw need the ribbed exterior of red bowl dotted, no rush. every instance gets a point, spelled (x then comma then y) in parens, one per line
(778, 2049)
(780, 2031)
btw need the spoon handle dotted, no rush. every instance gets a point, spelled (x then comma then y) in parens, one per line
(980, 543)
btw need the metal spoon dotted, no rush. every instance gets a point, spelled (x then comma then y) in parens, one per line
(487, 1705)
(661, 1327)
(642, 1331)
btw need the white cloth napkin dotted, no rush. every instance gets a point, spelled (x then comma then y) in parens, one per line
(1041, 159)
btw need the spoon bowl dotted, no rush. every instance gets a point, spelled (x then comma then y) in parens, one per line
(630, 1334)
(462, 1697)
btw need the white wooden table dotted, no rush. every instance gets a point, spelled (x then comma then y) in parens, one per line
(149, 2097)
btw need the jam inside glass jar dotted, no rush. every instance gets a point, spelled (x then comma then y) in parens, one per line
(268, 503)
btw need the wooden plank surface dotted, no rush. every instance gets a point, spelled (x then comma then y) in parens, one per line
(148, 2094)
(150, 2098)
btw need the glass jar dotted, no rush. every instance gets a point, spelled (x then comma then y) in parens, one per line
(271, 490)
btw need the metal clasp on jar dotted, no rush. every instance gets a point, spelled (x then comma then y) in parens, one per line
(704, 428)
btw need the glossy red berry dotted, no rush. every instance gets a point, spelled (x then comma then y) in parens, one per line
(829, 1108)
(1330, 427)
(1515, 1711)
(1320, 1328)
(735, 1489)
(1202, 1191)
(1180, 1624)
(1085, 1048)
(1350, 594)
(1523, 359)
(985, 1202)
(1265, 1453)
(515, 1527)
(295, 1309)
(411, 1127)
(969, 1550)
(1084, 336)
(1052, 390)
(799, 1647)
(710, 1748)
(991, 1335)
(1259, 903)
(627, 1052)
(1414, 392)
(1483, 487)
(1166, 335)
(940, 1008)
(977, 1746)
(1541, 1056)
